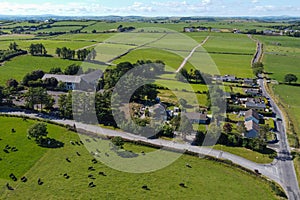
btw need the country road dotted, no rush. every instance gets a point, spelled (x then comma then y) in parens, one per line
(283, 163)
(191, 54)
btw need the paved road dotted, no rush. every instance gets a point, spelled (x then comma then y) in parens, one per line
(283, 164)
(191, 54)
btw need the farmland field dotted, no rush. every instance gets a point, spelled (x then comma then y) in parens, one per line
(50, 45)
(18, 67)
(230, 43)
(50, 165)
(84, 37)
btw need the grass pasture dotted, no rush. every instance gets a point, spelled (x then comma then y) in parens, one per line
(58, 29)
(50, 45)
(206, 179)
(18, 67)
(230, 43)
(84, 37)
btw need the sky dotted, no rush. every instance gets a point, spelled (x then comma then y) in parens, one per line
(151, 7)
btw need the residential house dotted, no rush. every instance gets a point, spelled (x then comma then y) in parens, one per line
(252, 115)
(197, 117)
(256, 106)
(252, 129)
(80, 82)
(248, 81)
(253, 92)
(226, 78)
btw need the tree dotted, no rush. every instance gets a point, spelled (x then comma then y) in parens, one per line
(72, 70)
(12, 83)
(118, 141)
(55, 70)
(58, 51)
(38, 131)
(37, 49)
(167, 131)
(241, 128)
(290, 78)
(13, 46)
(65, 106)
(33, 76)
(38, 96)
(227, 128)
(257, 68)
(263, 131)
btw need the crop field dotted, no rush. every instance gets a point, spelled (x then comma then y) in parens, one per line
(18, 67)
(50, 164)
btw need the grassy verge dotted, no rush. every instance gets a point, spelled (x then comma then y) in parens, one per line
(246, 153)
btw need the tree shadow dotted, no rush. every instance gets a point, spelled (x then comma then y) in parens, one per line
(51, 143)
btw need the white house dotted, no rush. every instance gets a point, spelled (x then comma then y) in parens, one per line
(81, 82)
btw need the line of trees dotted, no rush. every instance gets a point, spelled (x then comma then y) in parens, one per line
(65, 53)
(82, 54)
(192, 76)
(37, 49)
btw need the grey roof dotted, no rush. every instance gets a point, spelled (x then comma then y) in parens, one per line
(255, 105)
(196, 116)
(251, 125)
(63, 78)
(251, 113)
(89, 78)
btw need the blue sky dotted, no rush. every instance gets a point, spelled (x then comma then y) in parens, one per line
(152, 7)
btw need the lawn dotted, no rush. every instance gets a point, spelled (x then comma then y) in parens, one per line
(201, 180)
(245, 153)
(18, 67)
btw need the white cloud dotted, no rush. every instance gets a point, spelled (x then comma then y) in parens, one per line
(255, 1)
(151, 8)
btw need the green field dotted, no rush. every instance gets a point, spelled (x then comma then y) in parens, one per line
(84, 37)
(58, 29)
(18, 67)
(230, 43)
(73, 23)
(50, 45)
(206, 179)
